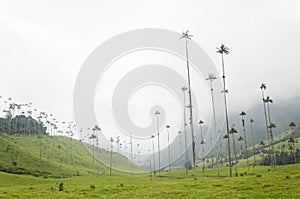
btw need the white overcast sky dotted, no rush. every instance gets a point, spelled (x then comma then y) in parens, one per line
(44, 43)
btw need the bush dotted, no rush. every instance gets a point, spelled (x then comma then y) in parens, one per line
(92, 186)
(61, 187)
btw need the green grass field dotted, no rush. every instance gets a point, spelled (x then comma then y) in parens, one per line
(61, 156)
(256, 183)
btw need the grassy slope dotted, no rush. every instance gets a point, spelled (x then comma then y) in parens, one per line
(24, 150)
(175, 185)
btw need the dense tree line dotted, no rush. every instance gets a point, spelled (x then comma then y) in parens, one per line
(21, 124)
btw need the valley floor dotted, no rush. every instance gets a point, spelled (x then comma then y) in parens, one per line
(255, 183)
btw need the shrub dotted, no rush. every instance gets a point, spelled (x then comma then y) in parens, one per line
(61, 187)
(92, 186)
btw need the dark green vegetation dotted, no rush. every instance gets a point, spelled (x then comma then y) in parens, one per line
(256, 183)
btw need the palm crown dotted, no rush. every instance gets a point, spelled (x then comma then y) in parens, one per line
(223, 49)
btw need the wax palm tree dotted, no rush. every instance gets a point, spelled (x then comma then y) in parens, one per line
(96, 129)
(211, 77)
(169, 152)
(243, 114)
(240, 140)
(263, 88)
(251, 125)
(131, 153)
(268, 100)
(262, 143)
(292, 125)
(271, 126)
(93, 137)
(179, 132)
(225, 50)
(184, 89)
(152, 137)
(111, 150)
(157, 113)
(232, 132)
(291, 143)
(202, 142)
(187, 37)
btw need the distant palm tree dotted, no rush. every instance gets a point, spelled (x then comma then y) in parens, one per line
(211, 78)
(253, 144)
(111, 149)
(187, 37)
(169, 152)
(243, 114)
(93, 137)
(292, 125)
(225, 50)
(96, 129)
(273, 155)
(179, 132)
(268, 100)
(184, 89)
(263, 88)
(131, 153)
(202, 142)
(292, 142)
(232, 132)
(153, 154)
(157, 113)
(241, 139)
(262, 143)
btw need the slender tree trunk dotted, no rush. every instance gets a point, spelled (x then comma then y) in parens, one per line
(267, 125)
(169, 151)
(110, 164)
(158, 144)
(227, 119)
(246, 146)
(191, 110)
(215, 123)
(251, 126)
(180, 151)
(271, 137)
(235, 157)
(153, 156)
(131, 154)
(202, 143)
(186, 150)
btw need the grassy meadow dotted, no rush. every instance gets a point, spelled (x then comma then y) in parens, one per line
(258, 182)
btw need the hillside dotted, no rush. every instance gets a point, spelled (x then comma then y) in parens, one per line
(60, 156)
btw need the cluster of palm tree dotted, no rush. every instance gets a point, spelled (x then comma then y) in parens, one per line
(23, 118)
(48, 124)
(230, 131)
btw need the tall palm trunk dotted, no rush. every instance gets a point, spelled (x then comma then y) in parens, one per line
(226, 116)
(245, 139)
(202, 146)
(186, 150)
(169, 150)
(235, 156)
(131, 154)
(158, 144)
(153, 154)
(271, 138)
(191, 109)
(215, 123)
(180, 143)
(251, 127)
(266, 117)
